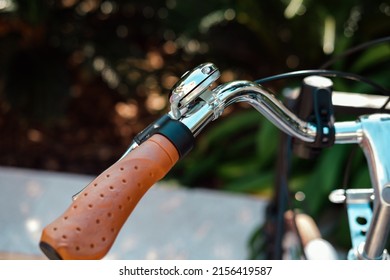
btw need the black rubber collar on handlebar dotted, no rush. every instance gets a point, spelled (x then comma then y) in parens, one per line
(179, 134)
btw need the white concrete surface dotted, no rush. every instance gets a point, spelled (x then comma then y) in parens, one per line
(168, 223)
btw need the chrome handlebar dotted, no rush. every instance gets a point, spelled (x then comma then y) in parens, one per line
(195, 105)
(214, 102)
(200, 105)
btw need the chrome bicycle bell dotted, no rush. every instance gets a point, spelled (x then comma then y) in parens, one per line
(191, 85)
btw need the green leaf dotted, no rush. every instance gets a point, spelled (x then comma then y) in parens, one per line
(253, 184)
(238, 168)
(267, 143)
(225, 129)
(372, 57)
(324, 178)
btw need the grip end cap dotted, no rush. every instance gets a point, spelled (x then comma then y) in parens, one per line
(49, 251)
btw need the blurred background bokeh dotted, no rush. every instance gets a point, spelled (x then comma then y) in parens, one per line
(80, 78)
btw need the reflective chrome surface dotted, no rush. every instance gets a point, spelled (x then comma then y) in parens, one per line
(269, 106)
(192, 84)
(359, 214)
(376, 135)
(352, 196)
(348, 132)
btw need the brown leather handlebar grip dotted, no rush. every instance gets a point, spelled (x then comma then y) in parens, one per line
(88, 228)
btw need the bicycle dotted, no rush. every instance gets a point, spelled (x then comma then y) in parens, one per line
(88, 228)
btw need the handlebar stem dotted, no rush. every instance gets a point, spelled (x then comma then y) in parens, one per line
(376, 134)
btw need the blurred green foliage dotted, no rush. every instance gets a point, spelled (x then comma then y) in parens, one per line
(54, 54)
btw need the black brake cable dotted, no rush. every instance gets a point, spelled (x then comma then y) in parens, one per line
(325, 73)
(348, 167)
(354, 50)
(350, 76)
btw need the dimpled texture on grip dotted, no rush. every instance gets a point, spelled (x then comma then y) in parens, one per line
(88, 228)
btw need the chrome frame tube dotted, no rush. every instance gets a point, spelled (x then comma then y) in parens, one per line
(376, 130)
